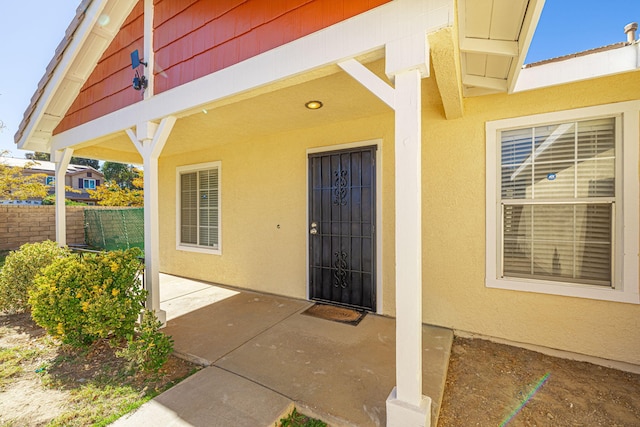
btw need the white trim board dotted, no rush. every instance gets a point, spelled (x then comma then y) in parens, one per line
(362, 34)
(595, 65)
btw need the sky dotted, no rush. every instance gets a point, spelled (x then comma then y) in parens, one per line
(30, 31)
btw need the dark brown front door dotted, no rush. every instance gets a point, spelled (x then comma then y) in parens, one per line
(342, 189)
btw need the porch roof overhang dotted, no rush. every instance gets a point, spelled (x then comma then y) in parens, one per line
(494, 39)
(91, 31)
(267, 78)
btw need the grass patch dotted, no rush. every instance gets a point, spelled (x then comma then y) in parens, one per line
(99, 386)
(13, 360)
(102, 387)
(296, 419)
(104, 400)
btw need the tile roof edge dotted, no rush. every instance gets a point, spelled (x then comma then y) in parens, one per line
(578, 54)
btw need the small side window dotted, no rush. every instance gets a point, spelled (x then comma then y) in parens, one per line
(198, 191)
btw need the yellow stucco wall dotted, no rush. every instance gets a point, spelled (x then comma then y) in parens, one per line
(264, 184)
(454, 235)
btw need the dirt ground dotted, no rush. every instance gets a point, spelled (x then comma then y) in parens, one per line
(51, 379)
(488, 384)
(491, 384)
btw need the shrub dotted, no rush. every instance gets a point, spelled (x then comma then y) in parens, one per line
(20, 269)
(84, 299)
(148, 349)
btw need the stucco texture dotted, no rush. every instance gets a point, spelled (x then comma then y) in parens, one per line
(454, 235)
(264, 185)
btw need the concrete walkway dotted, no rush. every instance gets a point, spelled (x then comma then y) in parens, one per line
(263, 356)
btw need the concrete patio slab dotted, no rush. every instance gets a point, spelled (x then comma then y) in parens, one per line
(265, 352)
(212, 398)
(192, 301)
(338, 371)
(208, 333)
(172, 287)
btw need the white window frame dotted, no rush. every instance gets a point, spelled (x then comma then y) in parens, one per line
(626, 228)
(190, 169)
(88, 187)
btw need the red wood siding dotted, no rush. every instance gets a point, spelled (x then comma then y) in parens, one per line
(109, 86)
(196, 38)
(193, 38)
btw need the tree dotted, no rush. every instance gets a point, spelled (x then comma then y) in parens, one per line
(85, 162)
(51, 199)
(120, 174)
(111, 194)
(46, 157)
(15, 185)
(38, 156)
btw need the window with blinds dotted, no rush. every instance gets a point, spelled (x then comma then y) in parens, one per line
(558, 199)
(200, 208)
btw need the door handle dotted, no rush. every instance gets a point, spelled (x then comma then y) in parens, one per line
(314, 228)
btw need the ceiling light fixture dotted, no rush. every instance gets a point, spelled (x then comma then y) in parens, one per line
(313, 105)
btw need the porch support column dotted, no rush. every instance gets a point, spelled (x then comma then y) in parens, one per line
(149, 140)
(407, 62)
(406, 405)
(61, 159)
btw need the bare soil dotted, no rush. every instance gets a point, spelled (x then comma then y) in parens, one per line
(51, 378)
(491, 384)
(488, 384)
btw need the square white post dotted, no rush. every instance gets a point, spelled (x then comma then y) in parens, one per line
(61, 159)
(406, 406)
(407, 62)
(149, 140)
(151, 235)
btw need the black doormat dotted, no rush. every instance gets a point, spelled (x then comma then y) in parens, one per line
(335, 313)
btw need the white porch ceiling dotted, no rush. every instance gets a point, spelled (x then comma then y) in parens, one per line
(494, 37)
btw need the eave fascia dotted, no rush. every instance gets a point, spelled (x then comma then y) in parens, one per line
(529, 25)
(355, 37)
(77, 61)
(610, 62)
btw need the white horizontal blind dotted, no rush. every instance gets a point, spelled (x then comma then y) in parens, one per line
(199, 208)
(208, 209)
(558, 202)
(189, 208)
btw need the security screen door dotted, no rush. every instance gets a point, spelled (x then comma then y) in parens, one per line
(342, 189)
